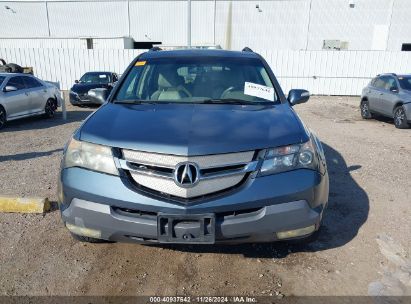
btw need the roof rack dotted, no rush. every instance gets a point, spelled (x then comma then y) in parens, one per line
(247, 49)
(155, 49)
(392, 74)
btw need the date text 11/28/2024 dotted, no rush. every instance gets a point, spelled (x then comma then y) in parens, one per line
(203, 299)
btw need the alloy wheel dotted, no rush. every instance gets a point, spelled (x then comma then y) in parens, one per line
(50, 108)
(2, 118)
(365, 110)
(399, 116)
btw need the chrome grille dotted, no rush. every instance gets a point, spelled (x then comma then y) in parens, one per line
(203, 161)
(202, 188)
(217, 171)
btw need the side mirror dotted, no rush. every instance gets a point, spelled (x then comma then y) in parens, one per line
(76, 81)
(298, 96)
(98, 96)
(9, 89)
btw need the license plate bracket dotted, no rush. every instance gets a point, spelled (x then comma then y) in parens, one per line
(186, 228)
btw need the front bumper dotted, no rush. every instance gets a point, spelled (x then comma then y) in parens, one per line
(75, 99)
(255, 212)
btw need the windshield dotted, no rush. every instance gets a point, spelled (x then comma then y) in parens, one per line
(405, 82)
(101, 78)
(185, 80)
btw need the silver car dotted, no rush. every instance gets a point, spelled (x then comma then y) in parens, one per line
(23, 95)
(388, 95)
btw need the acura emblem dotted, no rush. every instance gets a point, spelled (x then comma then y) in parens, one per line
(186, 174)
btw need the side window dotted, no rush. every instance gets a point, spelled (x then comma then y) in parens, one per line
(31, 82)
(391, 84)
(388, 83)
(379, 83)
(129, 88)
(17, 82)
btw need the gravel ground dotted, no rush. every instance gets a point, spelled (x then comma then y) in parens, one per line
(363, 248)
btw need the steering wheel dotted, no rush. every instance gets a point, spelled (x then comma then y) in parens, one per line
(180, 88)
(228, 90)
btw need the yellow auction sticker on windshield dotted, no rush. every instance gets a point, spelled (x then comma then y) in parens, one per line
(140, 63)
(258, 90)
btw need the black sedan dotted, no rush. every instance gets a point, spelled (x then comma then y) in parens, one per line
(91, 80)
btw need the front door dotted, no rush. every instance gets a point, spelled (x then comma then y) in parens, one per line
(37, 93)
(17, 103)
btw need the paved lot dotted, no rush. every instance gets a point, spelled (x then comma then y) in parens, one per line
(364, 246)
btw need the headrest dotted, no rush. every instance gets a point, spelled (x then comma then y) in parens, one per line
(168, 78)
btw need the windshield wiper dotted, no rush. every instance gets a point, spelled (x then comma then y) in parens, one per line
(231, 101)
(205, 101)
(134, 101)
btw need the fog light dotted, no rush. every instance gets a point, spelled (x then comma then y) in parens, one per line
(84, 231)
(295, 233)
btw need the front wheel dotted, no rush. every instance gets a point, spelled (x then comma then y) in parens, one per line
(365, 110)
(400, 118)
(50, 108)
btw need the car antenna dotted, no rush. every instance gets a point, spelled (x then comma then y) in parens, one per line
(155, 49)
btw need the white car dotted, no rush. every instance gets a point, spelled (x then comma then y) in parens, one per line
(23, 95)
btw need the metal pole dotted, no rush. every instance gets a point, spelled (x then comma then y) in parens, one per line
(389, 26)
(189, 23)
(128, 18)
(308, 26)
(215, 13)
(63, 107)
(48, 18)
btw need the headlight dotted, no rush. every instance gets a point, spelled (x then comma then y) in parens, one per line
(289, 158)
(90, 156)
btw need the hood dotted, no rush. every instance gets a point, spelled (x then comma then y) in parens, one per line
(193, 129)
(83, 88)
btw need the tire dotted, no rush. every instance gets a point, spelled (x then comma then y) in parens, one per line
(14, 68)
(50, 108)
(5, 69)
(400, 118)
(3, 117)
(86, 239)
(365, 110)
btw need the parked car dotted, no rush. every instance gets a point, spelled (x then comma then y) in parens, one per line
(388, 95)
(79, 92)
(195, 146)
(23, 95)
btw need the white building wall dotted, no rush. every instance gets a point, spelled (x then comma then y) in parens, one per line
(336, 20)
(400, 29)
(43, 43)
(88, 19)
(202, 22)
(66, 43)
(164, 21)
(280, 24)
(23, 19)
(112, 43)
(321, 72)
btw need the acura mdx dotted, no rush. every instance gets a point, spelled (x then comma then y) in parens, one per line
(194, 146)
